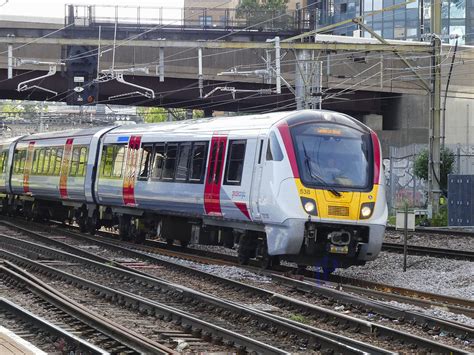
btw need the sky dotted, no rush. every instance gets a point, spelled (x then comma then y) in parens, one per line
(55, 8)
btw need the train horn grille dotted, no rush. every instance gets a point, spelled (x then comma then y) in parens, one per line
(338, 211)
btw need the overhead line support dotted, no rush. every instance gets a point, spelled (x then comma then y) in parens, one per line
(425, 84)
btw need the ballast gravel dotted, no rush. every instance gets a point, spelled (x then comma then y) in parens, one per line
(435, 275)
(432, 240)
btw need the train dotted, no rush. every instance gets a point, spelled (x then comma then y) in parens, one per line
(305, 187)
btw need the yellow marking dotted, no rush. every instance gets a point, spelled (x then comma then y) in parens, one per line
(330, 206)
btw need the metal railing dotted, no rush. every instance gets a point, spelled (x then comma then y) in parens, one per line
(189, 18)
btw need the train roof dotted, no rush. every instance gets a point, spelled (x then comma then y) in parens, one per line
(66, 133)
(212, 124)
(247, 122)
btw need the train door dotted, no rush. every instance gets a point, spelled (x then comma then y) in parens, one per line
(28, 166)
(130, 174)
(257, 178)
(215, 167)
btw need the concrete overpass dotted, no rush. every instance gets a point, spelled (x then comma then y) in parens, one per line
(359, 76)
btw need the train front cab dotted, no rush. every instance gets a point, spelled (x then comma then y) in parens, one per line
(339, 216)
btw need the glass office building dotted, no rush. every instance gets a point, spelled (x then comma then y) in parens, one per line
(409, 22)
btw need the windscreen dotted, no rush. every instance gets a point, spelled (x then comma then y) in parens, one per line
(332, 156)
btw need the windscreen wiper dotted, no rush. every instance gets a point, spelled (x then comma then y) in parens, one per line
(316, 176)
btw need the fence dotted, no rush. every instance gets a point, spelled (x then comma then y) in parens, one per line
(403, 186)
(190, 17)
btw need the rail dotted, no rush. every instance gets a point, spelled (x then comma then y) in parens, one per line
(385, 310)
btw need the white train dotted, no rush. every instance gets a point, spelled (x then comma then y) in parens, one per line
(302, 186)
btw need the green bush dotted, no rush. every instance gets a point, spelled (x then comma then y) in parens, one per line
(441, 218)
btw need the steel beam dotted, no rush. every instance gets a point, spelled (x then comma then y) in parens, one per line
(334, 46)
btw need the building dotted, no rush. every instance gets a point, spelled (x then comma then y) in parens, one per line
(410, 22)
(217, 14)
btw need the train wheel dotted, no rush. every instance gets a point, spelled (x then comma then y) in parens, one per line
(183, 243)
(93, 223)
(169, 242)
(81, 219)
(270, 261)
(227, 238)
(124, 227)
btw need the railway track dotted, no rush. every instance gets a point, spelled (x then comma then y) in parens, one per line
(43, 333)
(375, 290)
(111, 337)
(158, 298)
(331, 317)
(427, 251)
(428, 230)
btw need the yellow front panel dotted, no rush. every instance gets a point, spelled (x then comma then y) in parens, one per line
(344, 207)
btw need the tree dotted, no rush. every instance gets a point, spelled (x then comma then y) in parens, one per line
(161, 114)
(269, 13)
(447, 163)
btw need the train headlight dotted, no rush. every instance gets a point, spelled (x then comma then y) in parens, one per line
(309, 206)
(366, 210)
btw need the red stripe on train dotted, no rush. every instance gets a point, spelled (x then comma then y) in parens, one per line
(128, 187)
(377, 154)
(215, 167)
(286, 136)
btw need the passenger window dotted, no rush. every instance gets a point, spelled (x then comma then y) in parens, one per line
(119, 155)
(273, 149)
(158, 161)
(81, 170)
(170, 161)
(59, 159)
(213, 162)
(34, 168)
(74, 162)
(235, 162)
(47, 160)
(198, 162)
(52, 161)
(145, 162)
(20, 155)
(106, 160)
(220, 155)
(2, 161)
(183, 159)
(40, 161)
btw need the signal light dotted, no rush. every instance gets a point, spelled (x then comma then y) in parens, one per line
(90, 99)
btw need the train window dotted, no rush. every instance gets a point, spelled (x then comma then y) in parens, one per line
(81, 170)
(34, 168)
(52, 161)
(47, 161)
(20, 157)
(235, 162)
(59, 159)
(40, 161)
(220, 157)
(170, 161)
(2, 161)
(197, 162)
(158, 161)
(212, 161)
(145, 162)
(183, 160)
(273, 149)
(16, 161)
(118, 159)
(74, 161)
(106, 160)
